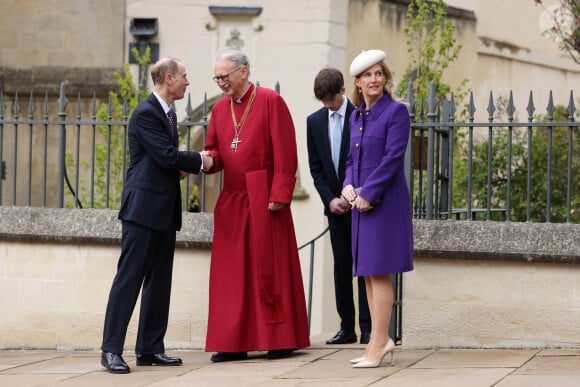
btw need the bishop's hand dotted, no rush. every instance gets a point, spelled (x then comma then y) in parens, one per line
(276, 206)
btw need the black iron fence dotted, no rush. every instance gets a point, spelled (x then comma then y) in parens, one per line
(78, 157)
(501, 169)
(61, 154)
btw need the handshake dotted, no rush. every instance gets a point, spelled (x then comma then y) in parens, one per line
(207, 161)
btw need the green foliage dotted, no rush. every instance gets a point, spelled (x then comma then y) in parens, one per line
(194, 204)
(110, 150)
(538, 170)
(432, 46)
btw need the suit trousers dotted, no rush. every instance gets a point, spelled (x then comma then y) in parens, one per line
(341, 241)
(146, 263)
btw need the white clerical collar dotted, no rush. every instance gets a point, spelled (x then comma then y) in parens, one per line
(243, 95)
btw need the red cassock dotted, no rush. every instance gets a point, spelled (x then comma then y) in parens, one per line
(256, 293)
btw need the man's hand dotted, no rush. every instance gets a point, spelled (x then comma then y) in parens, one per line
(339, 206)
(183, 174)
(207, 161)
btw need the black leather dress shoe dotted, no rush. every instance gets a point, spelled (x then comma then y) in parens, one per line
(343, 337)
(159, 359)
(114, 363)
(228, 356)
(279, 353)
(365, 337)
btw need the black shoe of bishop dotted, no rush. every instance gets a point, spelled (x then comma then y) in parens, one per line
(342, 337)
(219, 357)
(114, 363)
(159, 359)
(279, 353)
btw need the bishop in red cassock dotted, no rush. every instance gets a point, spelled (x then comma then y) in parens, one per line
(256, 293)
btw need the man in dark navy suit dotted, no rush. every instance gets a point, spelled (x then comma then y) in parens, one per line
(328, 133)
(151, 215)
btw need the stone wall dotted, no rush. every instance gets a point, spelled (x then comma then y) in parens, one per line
(493, 285)
(475, 284)
(56, 269)
(62, 33)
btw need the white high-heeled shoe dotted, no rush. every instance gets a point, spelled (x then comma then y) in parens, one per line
(357, 360)
(389, 348)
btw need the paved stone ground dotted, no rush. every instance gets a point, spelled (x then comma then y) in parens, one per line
(320, 365)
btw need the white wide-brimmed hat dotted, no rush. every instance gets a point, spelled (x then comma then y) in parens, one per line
(366, 59)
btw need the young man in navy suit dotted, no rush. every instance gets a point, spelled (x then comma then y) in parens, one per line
(328, 143)
(151, 216)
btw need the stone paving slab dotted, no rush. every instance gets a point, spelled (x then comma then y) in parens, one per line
(552, 365)
(480, 358)
(539, 381)
(318, 366)
(559, 352)
(446, 377)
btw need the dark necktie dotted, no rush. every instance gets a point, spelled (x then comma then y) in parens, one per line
(172, 118)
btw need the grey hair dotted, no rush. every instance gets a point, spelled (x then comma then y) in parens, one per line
(237, 58)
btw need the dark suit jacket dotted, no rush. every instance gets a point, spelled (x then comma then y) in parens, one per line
(152, 193)
(328, 185)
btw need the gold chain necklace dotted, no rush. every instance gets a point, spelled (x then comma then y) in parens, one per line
(239, 125)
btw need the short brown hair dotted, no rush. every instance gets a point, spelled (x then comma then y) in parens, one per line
(328, 83)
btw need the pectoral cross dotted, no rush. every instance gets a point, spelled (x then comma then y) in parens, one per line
(235, 142)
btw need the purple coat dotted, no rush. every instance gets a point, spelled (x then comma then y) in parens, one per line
(382, 238)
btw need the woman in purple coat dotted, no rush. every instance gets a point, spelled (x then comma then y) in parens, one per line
(375, 185)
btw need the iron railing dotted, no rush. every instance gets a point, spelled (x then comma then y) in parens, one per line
(79, 161)
(457, 168)
(311, 245)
